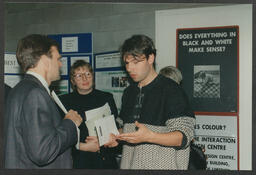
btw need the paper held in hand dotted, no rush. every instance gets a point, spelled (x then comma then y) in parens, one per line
(101, 123)
(58, 102)
(96, 114)
(105, 126)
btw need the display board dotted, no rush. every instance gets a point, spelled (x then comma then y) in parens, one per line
(74, 43)
(72, 47)
(110, 75)
(12, 70)
(219, 136)
(208, 60)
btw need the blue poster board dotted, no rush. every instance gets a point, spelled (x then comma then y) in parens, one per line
(72, 47)
(74, 43)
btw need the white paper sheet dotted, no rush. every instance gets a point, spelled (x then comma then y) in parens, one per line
(105, 126)
(58, 102)
(96, 114)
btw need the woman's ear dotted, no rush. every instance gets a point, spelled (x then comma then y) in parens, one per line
(73, 82)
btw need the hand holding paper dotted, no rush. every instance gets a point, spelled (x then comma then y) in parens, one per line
(101, 123)
(95, 114)
(105, 126)
(112, 141)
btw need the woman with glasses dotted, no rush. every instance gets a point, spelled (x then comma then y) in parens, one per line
(83, 98)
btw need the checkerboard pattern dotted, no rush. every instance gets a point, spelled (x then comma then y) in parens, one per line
(209, 90)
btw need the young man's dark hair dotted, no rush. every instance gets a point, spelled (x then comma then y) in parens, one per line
(31, 48)
(138, 45)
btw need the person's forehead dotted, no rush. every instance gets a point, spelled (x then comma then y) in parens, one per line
(131, 58)
(128, 57)
(82, 69)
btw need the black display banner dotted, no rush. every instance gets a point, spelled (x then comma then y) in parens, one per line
(209, 61)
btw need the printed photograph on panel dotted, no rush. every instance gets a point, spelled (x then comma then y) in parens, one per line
(115, 82)
(206, 81)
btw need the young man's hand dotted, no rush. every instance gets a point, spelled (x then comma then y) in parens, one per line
(112, 141)
(143, 134)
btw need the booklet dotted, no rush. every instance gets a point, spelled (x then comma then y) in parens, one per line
(101, 123)
(95, 114)
(105, 126)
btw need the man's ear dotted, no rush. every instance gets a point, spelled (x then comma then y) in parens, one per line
(45, 61)
(151, 59)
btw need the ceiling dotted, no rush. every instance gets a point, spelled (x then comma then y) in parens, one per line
(24, 7)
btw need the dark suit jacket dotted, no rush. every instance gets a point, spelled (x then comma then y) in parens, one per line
(36, 136)
(7, 89)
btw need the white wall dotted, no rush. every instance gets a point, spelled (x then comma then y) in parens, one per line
(167, 21)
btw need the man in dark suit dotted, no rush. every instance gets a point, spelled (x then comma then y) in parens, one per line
(36, 136)
(7, 89)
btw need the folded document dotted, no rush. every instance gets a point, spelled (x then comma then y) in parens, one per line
(101, 123)
(105, 126)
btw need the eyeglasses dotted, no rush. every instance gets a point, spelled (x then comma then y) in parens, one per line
(80, 75)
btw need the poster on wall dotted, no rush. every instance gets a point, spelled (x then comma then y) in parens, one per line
(209, 61)
(108, 60)
(11, 65)
(12, 80)
(110, 75)
(60, 87)
(12, 71)
(64, 67)
(74, 43)
(219, 136)
(114, 82)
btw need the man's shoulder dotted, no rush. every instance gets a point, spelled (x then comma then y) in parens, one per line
(25, 85)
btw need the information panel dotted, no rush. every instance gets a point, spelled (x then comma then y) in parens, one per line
(110, 75)
(11, 64)
(114, 82)
(12, 70)
(74, 43)
(218, 135)
(208, 60)
(108, 60)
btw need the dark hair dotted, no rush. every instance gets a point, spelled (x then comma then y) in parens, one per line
(31, 48)
(78, 64)
(138, 45)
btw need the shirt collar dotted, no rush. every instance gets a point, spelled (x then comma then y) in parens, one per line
(41, 79)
